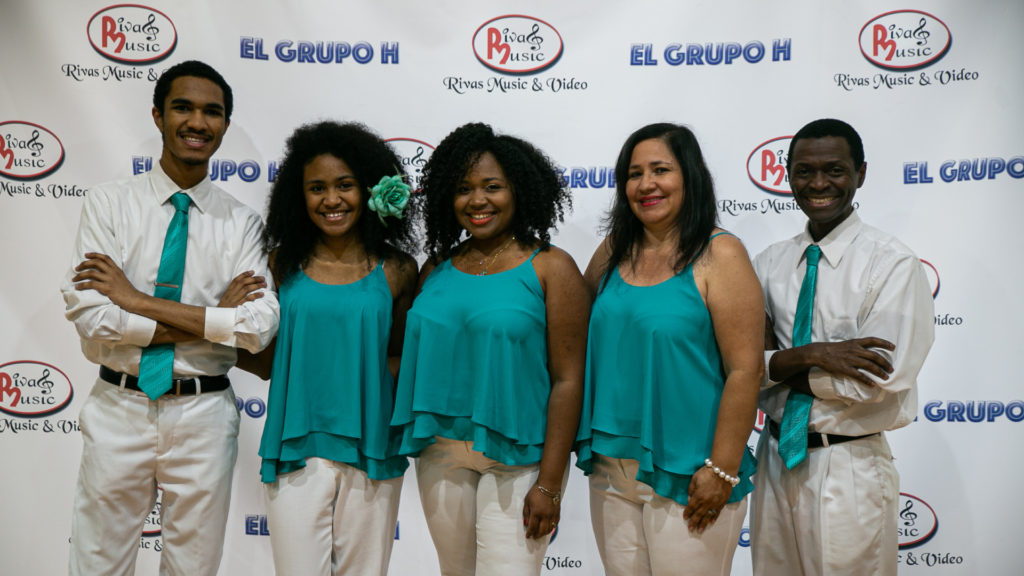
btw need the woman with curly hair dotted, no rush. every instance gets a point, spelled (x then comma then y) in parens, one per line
(674, 362)
(492, 369)
(335, 234)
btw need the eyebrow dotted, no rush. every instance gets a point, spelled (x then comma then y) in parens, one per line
(210, 105)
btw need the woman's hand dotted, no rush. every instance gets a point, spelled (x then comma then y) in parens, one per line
(708, 494)
(540, 513)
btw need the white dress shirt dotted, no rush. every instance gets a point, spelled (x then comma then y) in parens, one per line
(869, 284)
(127, 220)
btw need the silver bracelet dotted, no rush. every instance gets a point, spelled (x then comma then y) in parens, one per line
(556, 497)
(732, 480)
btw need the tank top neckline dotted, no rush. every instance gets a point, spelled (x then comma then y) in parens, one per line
(512, 269)
(380, 264)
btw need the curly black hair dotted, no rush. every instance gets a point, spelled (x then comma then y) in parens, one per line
(699, 213)
(289, 231)
(537, 186)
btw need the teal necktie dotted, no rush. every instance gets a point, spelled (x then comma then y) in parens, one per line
(793, 437)
(156, 368)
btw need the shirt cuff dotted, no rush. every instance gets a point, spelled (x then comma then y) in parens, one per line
(220, 325)
(820, 383)
(767, 381)
(138, 330)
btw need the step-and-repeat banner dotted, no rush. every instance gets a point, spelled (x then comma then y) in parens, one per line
(935, 89)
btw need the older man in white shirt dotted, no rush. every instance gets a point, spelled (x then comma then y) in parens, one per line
(850, 322)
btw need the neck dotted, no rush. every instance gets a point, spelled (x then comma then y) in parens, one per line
(491, 245)
(184, 175)
(341, 248)
(660, 239)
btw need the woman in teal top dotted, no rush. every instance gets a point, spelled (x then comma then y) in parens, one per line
(674, 362)
(330, 458)
(492, 369)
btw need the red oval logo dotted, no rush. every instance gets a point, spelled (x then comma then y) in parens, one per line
(933, 277)
(28, 151)
(413, 154)
(32, 389)
(904, 40)
(917, 521)
(517, 44)
(132, 34)
(766, 166)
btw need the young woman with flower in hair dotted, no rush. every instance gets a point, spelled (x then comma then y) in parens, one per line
(492, 368)
(338, 220)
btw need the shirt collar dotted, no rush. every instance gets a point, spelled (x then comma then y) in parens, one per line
(835, 243)
(164, 188)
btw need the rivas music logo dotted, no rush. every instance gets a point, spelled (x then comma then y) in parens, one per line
(917, 522)
(517, 44)
(413, 154)
(33, 389)
(904, 40)
(28, 151)
(132, 34)
(766, 166)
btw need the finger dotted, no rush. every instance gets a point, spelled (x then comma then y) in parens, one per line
(873, 342)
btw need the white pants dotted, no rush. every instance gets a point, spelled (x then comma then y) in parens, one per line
(474, 510)
(330, 518)
(187, 445)
(640, 533)
(834, 514)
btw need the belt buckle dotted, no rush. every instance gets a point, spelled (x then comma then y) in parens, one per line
(824, 440)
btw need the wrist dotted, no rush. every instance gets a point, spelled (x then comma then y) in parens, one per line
(555, 495)
(731, 480)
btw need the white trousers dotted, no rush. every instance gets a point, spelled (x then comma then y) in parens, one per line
(474, 510)
(640, 533)
(187, 445)
(835, 514)
(330, 518)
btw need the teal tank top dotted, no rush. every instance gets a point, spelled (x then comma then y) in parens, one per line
(474, 365)
(653, 383)
(331, 393)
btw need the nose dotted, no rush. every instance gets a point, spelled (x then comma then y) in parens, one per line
(818, 180)
(477, 197)
(332, 197)
(646, 181)
(196, 120)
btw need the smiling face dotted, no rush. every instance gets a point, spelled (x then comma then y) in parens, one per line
(824, 181)
(484, 203)
(333, 197)
(654, 185)
(192, 123)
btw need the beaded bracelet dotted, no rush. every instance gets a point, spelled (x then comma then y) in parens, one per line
(556, 497)
(732, 480)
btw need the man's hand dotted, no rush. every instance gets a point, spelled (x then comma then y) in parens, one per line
(98, 272)
(852, 358)
(245, 287)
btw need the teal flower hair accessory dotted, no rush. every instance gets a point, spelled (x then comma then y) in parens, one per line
(389, 197)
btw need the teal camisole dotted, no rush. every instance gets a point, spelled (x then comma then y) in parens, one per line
(331, 393)
(474, 365)
(653, 383)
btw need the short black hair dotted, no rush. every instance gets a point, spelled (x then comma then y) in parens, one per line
(191, 68)
(537, 186)
(698, 215)
(831, 127)
(289, 231)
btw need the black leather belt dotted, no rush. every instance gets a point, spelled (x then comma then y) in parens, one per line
(179, 386)
(816, 439)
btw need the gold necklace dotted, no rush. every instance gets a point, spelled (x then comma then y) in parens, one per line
(489, 261)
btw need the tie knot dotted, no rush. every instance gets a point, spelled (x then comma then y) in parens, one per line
(813, 254)
(181, 201)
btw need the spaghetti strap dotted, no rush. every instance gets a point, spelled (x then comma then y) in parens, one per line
(719, 234)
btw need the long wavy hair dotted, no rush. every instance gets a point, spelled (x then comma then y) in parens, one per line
(290, 233)
(540, 196)
(698, 215)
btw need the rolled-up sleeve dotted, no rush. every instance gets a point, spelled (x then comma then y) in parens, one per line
(252, 325)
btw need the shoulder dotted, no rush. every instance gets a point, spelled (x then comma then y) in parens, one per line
(553, 259)
(400, 265)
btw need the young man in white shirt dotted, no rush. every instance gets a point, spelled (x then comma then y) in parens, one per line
(180, 432)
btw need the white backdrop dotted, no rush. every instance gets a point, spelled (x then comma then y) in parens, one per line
(936, 95)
